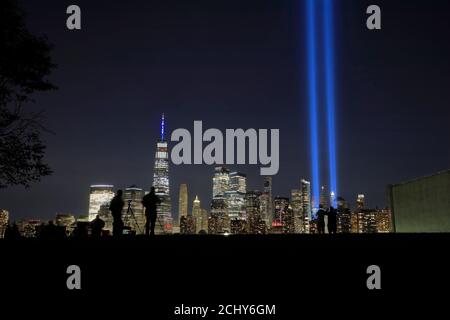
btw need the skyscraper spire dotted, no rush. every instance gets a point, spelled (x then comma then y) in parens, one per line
(161, 183)
(162, 127)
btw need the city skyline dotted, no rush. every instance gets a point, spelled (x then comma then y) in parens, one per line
(162, 182)
(235, 64)
(236, 209)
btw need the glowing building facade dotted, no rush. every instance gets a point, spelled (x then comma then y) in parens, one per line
(100, 194)
(360, 203)
(197, 214)
(344, 224)
(266, 202)
(161, 184)
(306, 204)
(384, 221)
(296, 204)
(324, 197)
(238, 182)
(255, 223)
(221, 181)
(219, 222)
(182, 201)
(282, 221)
(4, 220)
(204, 228)
(235, 196)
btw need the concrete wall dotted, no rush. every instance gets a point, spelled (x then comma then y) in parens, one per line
(422, 205)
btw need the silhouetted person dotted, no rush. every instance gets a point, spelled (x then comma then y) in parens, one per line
(321, 220)
(116, 207)
(97, 226)
(332, 220)
(150, 202)
(12, 232)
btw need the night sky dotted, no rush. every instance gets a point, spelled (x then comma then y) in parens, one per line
(235, 64)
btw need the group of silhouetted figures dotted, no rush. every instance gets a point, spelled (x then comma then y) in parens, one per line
(331, 213)
(150, 202)
(51, 231)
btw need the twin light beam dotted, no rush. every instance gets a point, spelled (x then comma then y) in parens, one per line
(329, 98)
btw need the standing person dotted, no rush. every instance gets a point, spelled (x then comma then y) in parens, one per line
(321, 220)
(116, 207)
(97, 226)
(150, 201)
(332, 220)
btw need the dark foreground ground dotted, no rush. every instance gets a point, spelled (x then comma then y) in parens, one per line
(303, 275)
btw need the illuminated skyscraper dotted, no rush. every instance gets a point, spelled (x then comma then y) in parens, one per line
(370, 221)
(306, 204)
(4, 220)
(135, 221)
(183, 202)
(161, 183)
(360, 201)
(344, 224)
(325, 203)
(333, 201)
(255, 224)
(221, 181)
(205, 219)
(200, 217)
(219, 221)
(296, 204)
(267, 202)
(358, 217)
(384, 221)
(235, 196)
(238, 182)
(100, 194)
(364, 221)
(354, 222)
(282, 221)
(361, 221)
(324, 197)
(197, 214)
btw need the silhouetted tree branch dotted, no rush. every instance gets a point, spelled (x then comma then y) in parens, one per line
(25, 63)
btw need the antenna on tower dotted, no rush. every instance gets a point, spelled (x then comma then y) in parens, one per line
(162, 127)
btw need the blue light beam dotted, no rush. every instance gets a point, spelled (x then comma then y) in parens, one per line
(329, 94)
(312, 81)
